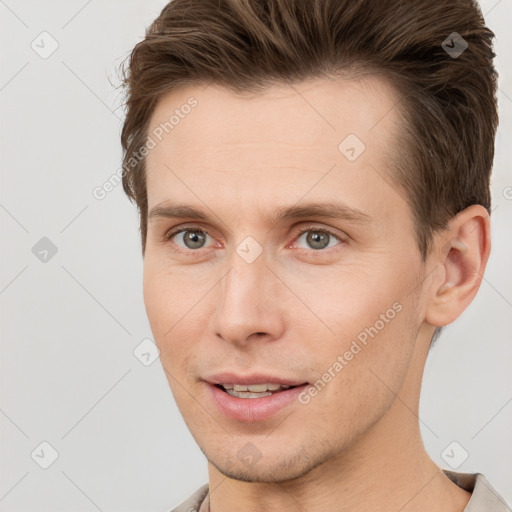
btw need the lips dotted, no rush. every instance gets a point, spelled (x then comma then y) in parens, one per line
(247, 380)
(254, 397)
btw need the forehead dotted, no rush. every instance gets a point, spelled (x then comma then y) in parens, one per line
(216, 144)
(316, 112)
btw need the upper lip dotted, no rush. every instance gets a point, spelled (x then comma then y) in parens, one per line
(254, 378)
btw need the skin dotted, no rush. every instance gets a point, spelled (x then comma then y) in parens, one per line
(356, 445)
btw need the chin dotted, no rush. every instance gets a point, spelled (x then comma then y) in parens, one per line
(249, 465)
(264, 474)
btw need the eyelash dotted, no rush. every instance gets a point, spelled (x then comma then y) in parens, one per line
(170, 234)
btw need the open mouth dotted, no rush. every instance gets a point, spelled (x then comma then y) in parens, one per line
(253, 390)
(231, 399)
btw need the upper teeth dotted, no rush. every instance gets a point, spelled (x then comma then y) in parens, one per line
(255, 388)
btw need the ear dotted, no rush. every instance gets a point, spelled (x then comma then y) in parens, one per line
(462, 254)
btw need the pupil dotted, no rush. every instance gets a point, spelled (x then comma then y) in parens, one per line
(194, 239)
(318, 239)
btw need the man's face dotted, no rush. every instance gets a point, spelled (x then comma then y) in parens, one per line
(241, 299)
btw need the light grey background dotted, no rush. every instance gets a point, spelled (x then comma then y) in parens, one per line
(70, 325)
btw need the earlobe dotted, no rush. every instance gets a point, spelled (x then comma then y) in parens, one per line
(463, 253)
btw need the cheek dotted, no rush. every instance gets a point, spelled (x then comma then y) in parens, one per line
(176, 308)
(157, 301)
(164, 308)
(365, 381)
(167, 296)
(349, 300)
(373, 319)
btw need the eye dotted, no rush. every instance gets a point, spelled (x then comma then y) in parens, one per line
(190, 238)
(318, 238)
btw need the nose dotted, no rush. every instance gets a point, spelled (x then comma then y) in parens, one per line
(250, 303)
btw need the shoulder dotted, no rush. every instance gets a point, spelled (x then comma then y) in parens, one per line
(484, 498)
(193, 502)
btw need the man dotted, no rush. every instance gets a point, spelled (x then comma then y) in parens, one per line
(313, 185)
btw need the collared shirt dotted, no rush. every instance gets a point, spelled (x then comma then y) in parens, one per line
(483, 496)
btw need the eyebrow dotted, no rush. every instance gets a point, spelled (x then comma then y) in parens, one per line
(329, 210)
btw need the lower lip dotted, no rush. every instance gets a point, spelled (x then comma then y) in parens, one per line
(253, 409)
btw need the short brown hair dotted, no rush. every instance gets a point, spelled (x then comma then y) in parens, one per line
(448, 102)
